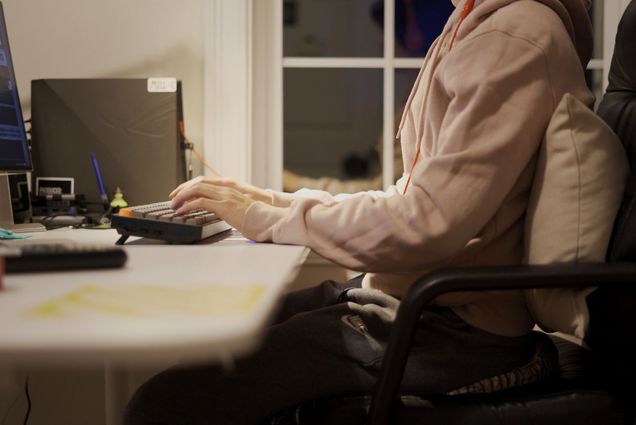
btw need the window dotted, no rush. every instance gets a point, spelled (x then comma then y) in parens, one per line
(348, 66)
(330, 76)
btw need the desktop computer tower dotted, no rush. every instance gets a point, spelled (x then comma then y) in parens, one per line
(20, 197)
(130, 125)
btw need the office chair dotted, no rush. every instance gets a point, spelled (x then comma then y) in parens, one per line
(590, 387)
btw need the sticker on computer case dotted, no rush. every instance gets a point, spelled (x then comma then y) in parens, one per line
(162, 85)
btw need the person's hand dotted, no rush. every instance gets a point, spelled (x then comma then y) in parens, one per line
(246, 189)
(226, 198)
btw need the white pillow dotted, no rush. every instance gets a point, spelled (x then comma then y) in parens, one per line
(577, 190)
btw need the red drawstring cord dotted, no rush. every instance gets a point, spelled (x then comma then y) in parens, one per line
(468, 7)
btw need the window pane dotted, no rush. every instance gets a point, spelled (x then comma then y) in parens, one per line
(334, 28)
(332, 123)
(596, 15)
(417, 25)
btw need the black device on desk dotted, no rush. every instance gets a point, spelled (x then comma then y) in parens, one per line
(159, 221)
(23, 256)
(131, 126)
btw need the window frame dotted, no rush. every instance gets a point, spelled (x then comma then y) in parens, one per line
(228, 87)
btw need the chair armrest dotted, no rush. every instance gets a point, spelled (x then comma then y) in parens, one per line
(430, 286)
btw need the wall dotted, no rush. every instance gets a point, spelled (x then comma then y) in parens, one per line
(98, 39)
(111, 39)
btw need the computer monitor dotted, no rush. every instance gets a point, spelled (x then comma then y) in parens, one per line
(14, 147)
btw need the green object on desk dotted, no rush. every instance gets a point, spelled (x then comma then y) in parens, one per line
(8, 234)
(118, 200)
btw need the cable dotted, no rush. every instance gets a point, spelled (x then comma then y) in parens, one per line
(204, 162)
(190, 146)
(17, 397)
(189, 165)
(10, 407)
(28, 397)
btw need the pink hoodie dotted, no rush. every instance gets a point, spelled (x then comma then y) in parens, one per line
(480, 112)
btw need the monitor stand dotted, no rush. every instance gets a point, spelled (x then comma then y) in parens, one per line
(6, 211)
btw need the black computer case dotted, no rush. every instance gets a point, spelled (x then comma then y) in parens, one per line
(132, 128)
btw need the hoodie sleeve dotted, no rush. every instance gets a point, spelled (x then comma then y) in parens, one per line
(284, 199)
(287, 199)
(500, 103)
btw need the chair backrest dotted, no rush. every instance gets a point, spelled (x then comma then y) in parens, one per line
(618, 109)
(611, 332)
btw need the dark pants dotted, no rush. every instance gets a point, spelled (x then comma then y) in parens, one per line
(326, 342)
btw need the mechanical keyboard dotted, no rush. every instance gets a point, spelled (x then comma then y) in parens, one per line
(159, 221)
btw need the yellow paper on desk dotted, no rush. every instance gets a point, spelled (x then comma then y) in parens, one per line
(149, 301)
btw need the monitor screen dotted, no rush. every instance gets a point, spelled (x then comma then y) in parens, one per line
(14, 148)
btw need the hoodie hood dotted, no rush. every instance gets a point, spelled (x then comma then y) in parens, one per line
(573, 14)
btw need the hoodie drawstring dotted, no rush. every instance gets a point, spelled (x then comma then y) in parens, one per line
(468, 7)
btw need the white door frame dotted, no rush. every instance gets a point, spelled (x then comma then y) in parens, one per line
(267, 85)
(228, 87)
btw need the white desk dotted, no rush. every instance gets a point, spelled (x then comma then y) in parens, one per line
(170, 302)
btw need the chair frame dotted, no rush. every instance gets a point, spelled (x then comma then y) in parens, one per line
(428, 287)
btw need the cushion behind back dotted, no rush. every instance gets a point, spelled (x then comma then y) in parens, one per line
(576, 192)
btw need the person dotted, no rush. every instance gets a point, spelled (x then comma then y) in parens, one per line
(470, 135)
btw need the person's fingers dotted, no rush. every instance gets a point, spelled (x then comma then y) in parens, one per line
(182, 186)
(184, 195)
(216, 181)
(227, 203)
(201, 204)
(201, 190)
(199, 181)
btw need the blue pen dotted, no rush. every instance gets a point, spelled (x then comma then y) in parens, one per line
(100, 181)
